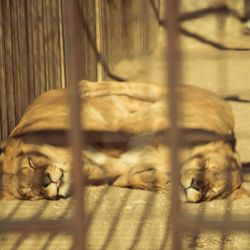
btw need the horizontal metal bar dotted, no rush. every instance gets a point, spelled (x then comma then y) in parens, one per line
(67, 226)
(189, 136)
(213, 225)
(36, 226)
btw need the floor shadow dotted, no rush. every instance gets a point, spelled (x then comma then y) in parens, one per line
(116, 219)
(149, 205)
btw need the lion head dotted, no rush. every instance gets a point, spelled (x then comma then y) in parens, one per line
(32, 176)
(213, 172)
(207, 172)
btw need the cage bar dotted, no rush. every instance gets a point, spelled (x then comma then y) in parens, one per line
(173, 82)
(181, 222)
(71, 17)
(41, 226)
(187, 225)
(247, 9)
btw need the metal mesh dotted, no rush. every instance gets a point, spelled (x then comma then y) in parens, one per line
(122, 40)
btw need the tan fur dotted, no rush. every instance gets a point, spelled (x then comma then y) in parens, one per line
(131, 108)
(109, 111)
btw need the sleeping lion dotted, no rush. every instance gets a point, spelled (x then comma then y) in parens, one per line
(126, 133)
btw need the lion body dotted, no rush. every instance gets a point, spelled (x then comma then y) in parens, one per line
(128, 146)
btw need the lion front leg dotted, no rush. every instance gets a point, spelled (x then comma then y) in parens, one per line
(148, 168)
(147, 179)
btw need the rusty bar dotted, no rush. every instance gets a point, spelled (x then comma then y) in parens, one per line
(35, 226)
(213, 225)
(173, 81)
(247, 9)
(71, 23)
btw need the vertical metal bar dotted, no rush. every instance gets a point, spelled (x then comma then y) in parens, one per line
(247, 9)
(60, 32)
(98, 30)
(71, 18)
(173, 81)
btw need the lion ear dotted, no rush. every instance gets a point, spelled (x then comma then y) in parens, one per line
(6, 196)
(240, 192)
(31, 163)
(2, 155)
(234, 161)
(2, 149)
(38, 161)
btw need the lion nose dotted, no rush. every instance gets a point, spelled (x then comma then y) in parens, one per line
(196, 184)
(46, 180)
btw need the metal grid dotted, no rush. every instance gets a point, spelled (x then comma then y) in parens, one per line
(180, 222)
(74, 225)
